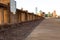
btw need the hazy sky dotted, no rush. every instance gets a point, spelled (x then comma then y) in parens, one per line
(44, 5)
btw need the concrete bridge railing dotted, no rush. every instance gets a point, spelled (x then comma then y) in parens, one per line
(6, 17)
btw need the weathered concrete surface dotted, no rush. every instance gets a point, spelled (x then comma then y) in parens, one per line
(49, 29)
(19, 31)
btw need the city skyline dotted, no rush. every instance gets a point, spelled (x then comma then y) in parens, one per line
(44, 5)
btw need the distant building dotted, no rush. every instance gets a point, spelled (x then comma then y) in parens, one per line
(49, 14)
(54, 14)
(40, 13)
(43, 14)
(46, 15)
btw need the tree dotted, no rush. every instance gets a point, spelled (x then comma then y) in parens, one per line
(46, 15)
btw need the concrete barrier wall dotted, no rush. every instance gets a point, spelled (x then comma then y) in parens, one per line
(20, 16)
(5, 1)
(6, 16)
(34, 17)
(31, 16)
(14, 18)
(23, 17)
(1, 15)
(28, 17)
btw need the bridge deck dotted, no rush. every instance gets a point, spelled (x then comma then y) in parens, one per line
(48, 29)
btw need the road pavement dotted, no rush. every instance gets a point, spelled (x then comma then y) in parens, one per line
(49, 29)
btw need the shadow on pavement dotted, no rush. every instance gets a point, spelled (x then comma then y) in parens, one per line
(19, 31)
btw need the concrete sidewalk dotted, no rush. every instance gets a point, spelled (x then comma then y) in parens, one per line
(49, 29)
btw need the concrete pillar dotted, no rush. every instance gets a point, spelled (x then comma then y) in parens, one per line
(31, 17)
(23, 17)
(35, 17)
(19, 17)
(14, 18)
(1, 15)
(11, 18)
(6, 16)
(5, 1)
(28, 17)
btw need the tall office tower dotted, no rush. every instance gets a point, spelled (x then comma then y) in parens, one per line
(5, 2)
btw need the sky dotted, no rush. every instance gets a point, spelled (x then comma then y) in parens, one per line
(44, 5)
